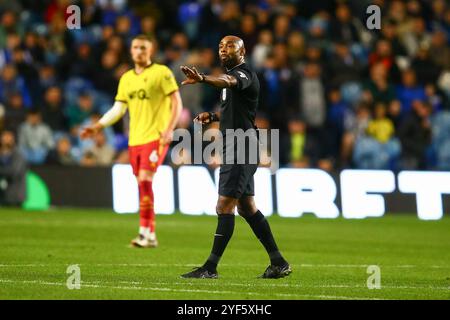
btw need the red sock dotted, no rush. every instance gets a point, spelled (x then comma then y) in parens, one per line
(147, 213)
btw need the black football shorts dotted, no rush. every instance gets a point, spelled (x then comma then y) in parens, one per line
(236, 180)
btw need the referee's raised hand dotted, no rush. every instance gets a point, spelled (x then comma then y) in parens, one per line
(193, 76)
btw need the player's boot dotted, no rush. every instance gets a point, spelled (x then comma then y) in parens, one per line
(144, 242)
(201, 273)
(276, 272)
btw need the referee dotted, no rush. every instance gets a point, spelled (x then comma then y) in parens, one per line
(239, 100)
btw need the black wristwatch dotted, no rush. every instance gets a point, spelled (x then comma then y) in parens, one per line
(203, 77)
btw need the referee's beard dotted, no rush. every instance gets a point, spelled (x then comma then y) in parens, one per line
(230, 63)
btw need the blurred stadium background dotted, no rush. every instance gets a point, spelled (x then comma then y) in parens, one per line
(341, 95)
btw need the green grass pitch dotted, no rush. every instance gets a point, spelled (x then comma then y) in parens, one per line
(329, 257)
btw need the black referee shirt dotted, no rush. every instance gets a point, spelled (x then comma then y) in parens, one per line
(239, 103)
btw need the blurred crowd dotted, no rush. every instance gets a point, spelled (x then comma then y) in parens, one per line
(342, 96)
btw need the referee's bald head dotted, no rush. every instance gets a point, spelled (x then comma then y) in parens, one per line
(231, 51)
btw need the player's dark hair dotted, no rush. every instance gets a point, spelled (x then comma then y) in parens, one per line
(143, 37)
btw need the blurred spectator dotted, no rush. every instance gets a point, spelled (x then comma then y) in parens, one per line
(62, 154)
(88, 159)
(314, 54)
(439, 11)
(343, 66)
(6, 52)
(14, 112)
(313, 107)
(117, 45)
(248, 32)
(279, 92)
(409, 90)
(356, 128)
(281, 28)
(47, 76)
(81, 110)
(107, 32)
(9, 25)
(395, 112)
(427, 71)
(389, 33)
(53, 113)
(12, 171)
(262, 48)
(177, 51)
(102, 152)
(123, 28)
(313, 111)
(27, 71)
(192, 95)
(90, 13)
(377, 150)
(104, 77)
(381, 128)
(397, 12)
(11, 82)
(115, 5)
(383, 55)
(229, 18)
(56, 8)
(317, 29)
(338, 113)
(345, 28)
(58, 41)
(417, 37)
(296, 46)
(148, 27)
(35, 138)
(436, 98)
(439, 50)
(378, 88)
(297, 133)
(2, 117)
(441, 139)
(79, 64)
(33, 46)
(415, 136)
(208, 66)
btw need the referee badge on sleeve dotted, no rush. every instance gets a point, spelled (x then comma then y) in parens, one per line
(242, 75)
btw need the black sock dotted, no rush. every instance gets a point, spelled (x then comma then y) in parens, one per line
(224, 231)
(261, 228)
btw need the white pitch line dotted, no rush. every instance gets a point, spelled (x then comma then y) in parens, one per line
(163, 289)
(284, 285)
(136, 285)
(224, 265)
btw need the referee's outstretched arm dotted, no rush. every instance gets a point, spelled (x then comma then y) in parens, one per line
(221, 81)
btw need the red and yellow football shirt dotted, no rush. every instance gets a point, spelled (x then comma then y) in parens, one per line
(147, 96)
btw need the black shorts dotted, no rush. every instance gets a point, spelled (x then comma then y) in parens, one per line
(236, 180)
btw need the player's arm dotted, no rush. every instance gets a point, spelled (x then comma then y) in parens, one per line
(220, 81)
(177, 106)
(109, 118)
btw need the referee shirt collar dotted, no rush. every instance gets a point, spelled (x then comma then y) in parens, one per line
(240, 64)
